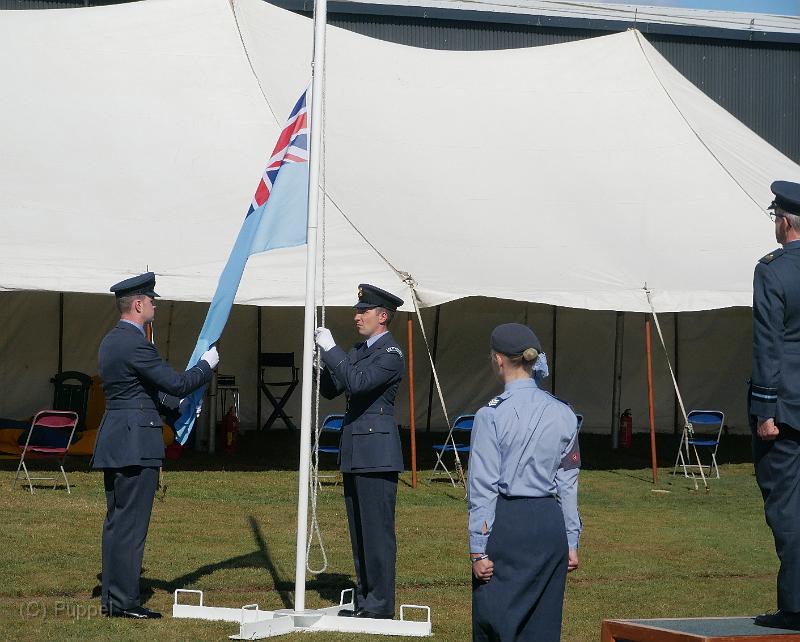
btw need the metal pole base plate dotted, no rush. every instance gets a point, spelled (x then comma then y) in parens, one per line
(255, 624)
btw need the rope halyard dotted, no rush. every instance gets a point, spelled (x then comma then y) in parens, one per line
(314, 530)
(411, 283)
(688, 429)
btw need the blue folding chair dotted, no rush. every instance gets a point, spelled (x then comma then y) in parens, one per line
(462, 428)
(707, 432)
(331, 424)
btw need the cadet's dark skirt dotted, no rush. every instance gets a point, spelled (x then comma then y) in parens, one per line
(524, 598)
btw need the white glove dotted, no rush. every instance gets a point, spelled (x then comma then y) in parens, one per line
(211, 357)
(324, 338)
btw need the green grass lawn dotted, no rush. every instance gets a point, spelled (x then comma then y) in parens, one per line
(232, 534)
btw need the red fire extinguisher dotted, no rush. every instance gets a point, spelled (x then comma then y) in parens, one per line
(625, 429)
(230, 425)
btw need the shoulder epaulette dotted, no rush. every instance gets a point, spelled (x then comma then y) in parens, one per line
(493, 403)
(559, 399)
(769, 258)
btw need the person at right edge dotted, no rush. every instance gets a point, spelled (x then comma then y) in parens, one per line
(524, 524)
(774, 398)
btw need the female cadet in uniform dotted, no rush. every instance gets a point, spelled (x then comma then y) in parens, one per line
(523, 511)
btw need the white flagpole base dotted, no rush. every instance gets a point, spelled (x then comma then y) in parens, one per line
(255, 624)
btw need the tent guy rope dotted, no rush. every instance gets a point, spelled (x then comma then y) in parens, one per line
(688, 430)
(411, 283)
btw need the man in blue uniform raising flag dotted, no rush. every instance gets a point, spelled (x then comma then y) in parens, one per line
(130, 447)
(371, 457)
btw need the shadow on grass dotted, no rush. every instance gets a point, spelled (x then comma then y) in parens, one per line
(327, 585)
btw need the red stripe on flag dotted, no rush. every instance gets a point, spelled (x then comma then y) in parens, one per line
(262, 193)
(286, 134)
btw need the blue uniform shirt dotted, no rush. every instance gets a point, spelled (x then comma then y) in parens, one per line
(372, 340)
(138, 326)
(524, 444)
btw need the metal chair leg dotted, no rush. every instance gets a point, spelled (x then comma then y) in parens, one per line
(19, 467)
(440, 462)
(66, 481)
(28, 477)
(682, 461)
(675, 467)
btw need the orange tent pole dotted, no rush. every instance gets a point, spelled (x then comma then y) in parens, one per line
(651, 403)
(411, 402)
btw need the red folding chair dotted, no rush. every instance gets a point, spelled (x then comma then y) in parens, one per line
(50, 427)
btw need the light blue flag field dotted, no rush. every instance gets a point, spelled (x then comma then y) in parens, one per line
(278, 217)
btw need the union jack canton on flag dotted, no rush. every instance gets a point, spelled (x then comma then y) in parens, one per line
(277, 217)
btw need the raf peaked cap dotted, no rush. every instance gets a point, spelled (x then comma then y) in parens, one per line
(787, 196)
(513, 339)
(142, 284)
(370, 296)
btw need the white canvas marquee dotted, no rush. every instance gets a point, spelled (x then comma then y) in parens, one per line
(135, 135)
(570, 175)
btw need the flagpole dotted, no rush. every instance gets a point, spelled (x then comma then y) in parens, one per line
(318, 65)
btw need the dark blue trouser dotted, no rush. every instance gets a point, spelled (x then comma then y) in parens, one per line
(524, 599)
(370, 499)
(129, 501)
(777, 465)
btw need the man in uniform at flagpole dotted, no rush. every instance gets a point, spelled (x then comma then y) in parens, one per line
(774, 399)
(370, 454)
(130, 447)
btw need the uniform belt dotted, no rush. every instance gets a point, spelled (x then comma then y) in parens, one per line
(513, 498)
(131, 404)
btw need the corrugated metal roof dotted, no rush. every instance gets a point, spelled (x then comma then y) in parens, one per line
(606, 11)
(581, 15)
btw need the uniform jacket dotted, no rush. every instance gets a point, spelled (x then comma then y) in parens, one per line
(369, 377)
(133, 376)
(775, 382)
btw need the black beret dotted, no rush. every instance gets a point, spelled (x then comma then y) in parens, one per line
(513, 339)
(142, 284)
(787, 196)
(370, 296)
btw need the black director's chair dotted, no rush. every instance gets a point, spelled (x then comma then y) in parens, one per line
(287, 380)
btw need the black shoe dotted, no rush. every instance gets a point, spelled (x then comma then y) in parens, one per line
(136, 612)
(349, 612)
(377, 616)
(779, 620)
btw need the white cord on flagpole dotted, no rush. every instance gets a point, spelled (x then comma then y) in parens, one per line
(314, 531)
